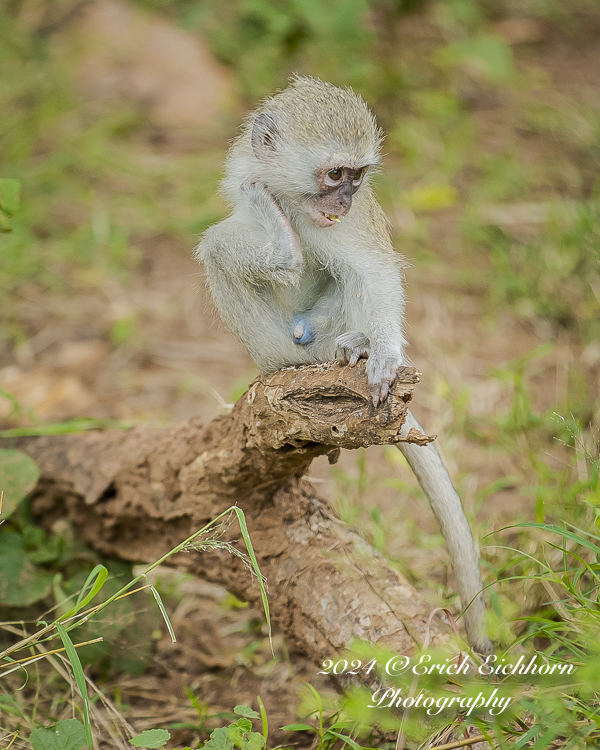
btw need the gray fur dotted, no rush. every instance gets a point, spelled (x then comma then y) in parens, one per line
(270, 265)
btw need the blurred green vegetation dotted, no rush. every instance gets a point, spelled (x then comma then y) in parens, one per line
(87, 187)
(91, 186)
(491, 180)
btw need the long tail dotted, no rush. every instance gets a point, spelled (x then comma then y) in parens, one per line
(435, 482)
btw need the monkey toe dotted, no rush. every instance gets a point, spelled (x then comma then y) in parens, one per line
(379, 393)
(375, 395)
(350, 347)
(347, 356)
(381, 374)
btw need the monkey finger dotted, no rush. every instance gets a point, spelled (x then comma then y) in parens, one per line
(376, 394)
(357, 353)
(341, 356)
(385, 389)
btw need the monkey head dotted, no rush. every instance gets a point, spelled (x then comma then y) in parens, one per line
(311, 145)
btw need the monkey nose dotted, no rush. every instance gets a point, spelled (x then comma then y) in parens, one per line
(345, 203)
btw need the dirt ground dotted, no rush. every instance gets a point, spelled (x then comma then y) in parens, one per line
(181, 361)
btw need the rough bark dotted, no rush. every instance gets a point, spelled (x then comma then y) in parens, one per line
(138, 493)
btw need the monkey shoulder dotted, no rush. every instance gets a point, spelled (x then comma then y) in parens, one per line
(375, 221)
(377, 226)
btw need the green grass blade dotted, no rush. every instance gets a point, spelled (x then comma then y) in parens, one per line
(565, 533)
(348, 740)
(79, 679)
(263, 716)
(261, 581)
(163, 612)
(96, 580)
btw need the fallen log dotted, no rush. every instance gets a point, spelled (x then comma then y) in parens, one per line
(136, 494)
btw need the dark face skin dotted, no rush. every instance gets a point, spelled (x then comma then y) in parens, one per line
(336, 188)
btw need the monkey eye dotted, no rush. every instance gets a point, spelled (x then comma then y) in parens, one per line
(335, 174)
(358, 177)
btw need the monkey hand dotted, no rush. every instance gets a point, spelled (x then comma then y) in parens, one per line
(277, 225)
(350, 347)
(381, 372)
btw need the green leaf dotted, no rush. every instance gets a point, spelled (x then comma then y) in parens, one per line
(96, 580)
(79, 679)
(11, 707)
(246, 711)
(263, 716)
(235, 734)
(64, 735)
(348, 740)
(123, 330)
(9, 196)
(5, 224)
(254, 741)
(151, 738)
(21, 583)
(65, 428)
(219, 740)
(298, 728)
(18, 476)
(9, 203)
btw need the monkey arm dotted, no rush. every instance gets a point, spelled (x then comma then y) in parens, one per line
(373, 277)
(245, 251)
(272, 219)
(377, 295)
(256, 243)
(382, 297)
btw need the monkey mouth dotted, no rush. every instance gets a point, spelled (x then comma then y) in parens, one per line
(331, 219)
(322, 218)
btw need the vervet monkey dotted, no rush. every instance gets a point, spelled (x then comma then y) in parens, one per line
(304, 271)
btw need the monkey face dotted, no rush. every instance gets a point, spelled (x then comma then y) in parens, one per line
(334, 198)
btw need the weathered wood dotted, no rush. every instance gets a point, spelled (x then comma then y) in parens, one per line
(136, 494)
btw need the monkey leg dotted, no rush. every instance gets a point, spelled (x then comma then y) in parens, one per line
(445, 503)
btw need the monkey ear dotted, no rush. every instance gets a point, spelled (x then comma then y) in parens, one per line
(265, 135)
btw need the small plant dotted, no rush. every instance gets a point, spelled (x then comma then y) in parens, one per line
(328, 730)
(239, 734)
(206, 538)
(69, 734)
(151, 738)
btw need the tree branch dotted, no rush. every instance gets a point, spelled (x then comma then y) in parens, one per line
(136, 494)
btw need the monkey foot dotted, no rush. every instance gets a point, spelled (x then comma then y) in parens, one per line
(350, 347)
